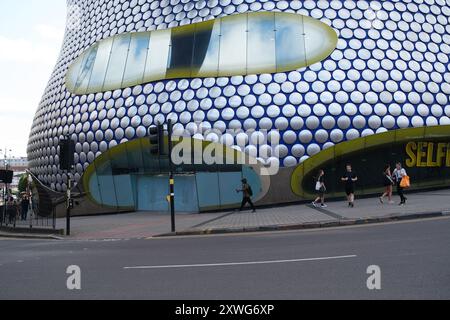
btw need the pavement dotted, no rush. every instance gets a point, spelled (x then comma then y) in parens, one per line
(370, 210)
(332, 263)
(141, 225)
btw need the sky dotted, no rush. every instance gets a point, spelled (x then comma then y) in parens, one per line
(31, 35)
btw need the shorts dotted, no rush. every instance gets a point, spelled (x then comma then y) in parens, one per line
(349, 190)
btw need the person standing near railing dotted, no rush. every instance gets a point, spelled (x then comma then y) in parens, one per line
(12, 210)
(24, 204)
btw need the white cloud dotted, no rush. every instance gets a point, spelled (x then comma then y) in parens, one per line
(25, 51)
(49, 32)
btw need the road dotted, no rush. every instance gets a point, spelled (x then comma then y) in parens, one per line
(414, 258)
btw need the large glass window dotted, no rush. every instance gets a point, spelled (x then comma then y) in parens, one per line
(261, 43)
(250, 43)
(137, 56)
(233, 46)
(290, 42)
(158, 56)
(101, 63)
(117, 62)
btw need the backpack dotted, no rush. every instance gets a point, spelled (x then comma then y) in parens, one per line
(250, 191)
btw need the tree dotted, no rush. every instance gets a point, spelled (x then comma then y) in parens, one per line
(23, 183)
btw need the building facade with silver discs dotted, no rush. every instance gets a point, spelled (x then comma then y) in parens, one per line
(295, 85)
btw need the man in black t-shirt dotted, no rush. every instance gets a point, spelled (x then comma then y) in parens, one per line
(349, 178)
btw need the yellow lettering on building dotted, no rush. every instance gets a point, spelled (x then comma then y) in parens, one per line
(440, 154)
(421, 154)
(411, 148)
(447, 163)
(428, 154)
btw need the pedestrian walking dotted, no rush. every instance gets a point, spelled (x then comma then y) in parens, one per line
(247, 194)
(24, 206)
(399, 174)
(321, 189)
(350, 178)
(388, 183)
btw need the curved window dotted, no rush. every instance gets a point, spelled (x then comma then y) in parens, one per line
(250, 43)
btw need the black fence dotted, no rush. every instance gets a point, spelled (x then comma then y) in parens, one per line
(16, 216)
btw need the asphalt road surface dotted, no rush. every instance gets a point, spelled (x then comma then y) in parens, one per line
(413, 257)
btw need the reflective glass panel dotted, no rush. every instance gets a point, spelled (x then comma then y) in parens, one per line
(206, 49)
(290, 43)
(208, 190)
(87, 65)
(320, 41)
(228, 183)
(117, 62)
(158, 55)
(261, 43)
(94, 188)
(106, 182)
(100, 65)
(181, 52)
(233, 45)
(137, 56)
(73, 72)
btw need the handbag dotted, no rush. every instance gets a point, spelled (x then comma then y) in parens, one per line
(405, 182)
(318, 185)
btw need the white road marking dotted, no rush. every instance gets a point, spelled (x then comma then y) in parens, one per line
(239, 263)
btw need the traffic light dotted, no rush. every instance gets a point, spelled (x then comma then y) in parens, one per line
(157, 140)
(66, 154)
(6, 176)
(70, 204)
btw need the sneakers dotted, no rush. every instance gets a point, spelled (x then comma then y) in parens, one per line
(316, 205)
(381, 200)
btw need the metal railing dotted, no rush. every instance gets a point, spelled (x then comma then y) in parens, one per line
(14, 217)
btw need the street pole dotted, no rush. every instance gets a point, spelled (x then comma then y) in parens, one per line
(4, 204)
(68, 206)
(5, 191)
(171, 178)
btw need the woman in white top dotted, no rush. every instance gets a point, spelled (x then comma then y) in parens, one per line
(398, 175)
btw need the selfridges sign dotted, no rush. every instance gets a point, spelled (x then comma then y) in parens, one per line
(428, 154)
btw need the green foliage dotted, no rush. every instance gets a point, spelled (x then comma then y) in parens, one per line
(23, 182)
